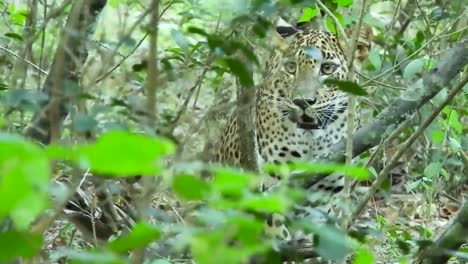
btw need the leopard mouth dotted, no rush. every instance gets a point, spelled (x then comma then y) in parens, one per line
(302, 120)
(312, 121)
(308, 123)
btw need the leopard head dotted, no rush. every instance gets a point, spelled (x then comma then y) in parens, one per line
(296, 73)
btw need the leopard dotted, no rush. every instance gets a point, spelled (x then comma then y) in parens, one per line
(299, 116)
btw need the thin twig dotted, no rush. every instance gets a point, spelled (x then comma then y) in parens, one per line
(23, 59)
(125, 57)
(350, 55)
(394, 67)
(151, 86)
(383, 174)
(380, 83)
(337, 22)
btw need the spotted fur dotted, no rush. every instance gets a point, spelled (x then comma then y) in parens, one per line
(298, 117)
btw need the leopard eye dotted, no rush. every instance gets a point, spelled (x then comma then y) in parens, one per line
(290, 67)
(328, 68)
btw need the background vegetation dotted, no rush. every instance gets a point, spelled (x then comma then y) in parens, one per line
(95, 92)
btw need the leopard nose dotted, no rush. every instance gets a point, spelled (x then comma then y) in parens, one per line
(304, 103)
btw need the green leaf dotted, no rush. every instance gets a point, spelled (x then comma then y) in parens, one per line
(125, 154)
(455, 122)
(375, 58)
(347, 86)
(455, 144)
(3, 86)
(417, 66)
(19, 16)
(84, 123)
(331, 22)
(189, 187)
(360, 173)
(211, 248)
(248, 229)
(412, 185)
(57, 152)
(270, 203)
(14, 36)
(15, 244)
(232, 182)
(331, 243)
(432, 170)
(363, 257)
(344, 3)
(141, 235)
(308, 14)
(180, 40)
(24, 180)
(237, 68)
(413, 68)
(198, 31)
(437, 136)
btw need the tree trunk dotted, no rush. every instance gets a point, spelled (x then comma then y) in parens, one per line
(61, 85)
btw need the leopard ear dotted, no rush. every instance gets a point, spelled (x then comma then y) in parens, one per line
(364, 41)
(284, 34)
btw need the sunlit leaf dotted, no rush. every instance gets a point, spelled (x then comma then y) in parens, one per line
(363, 257)
(271, 203)
(211, 248)
(141, 235)
(232, 182)
(125, 154)
(308, 14)
(344, 3)
(248, 229)
(360, 173)
(189, 187)
(24, 179)
(19, 244)
(455, 122)
(331, 23)
(437, 136)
